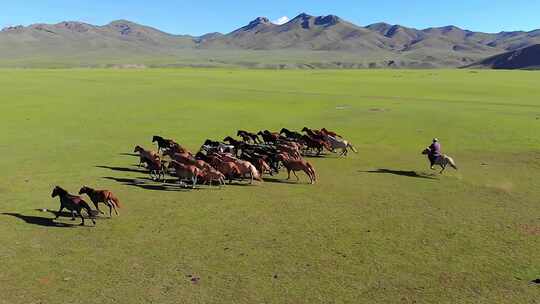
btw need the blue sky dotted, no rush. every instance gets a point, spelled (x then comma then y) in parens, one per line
(203, 16)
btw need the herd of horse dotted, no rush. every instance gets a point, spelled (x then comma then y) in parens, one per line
(251, 156)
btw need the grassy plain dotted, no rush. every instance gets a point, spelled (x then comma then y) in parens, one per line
(379, 227)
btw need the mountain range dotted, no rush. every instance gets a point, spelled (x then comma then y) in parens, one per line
(303, 42)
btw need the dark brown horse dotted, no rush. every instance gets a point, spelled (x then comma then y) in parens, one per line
(312, 144)
(268, 136)
(102, 196)
(156, 168)
(72, 203)
(248, 136)
(163, 143)
(291, 134)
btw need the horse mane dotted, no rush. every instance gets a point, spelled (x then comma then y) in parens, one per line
(61, 191)
(87, 189)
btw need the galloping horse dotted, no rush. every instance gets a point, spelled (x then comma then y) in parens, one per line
(268, 136)
(102, 196)
(185, 172)
(248, 136)
(291, 134)
(229, 169)
(293, 165)
(443, 161)
(338, 143)
(312, 144)
(72, 203)
(145, 155)
(324, 131)
(162, 143)
(246, 168)
(156, 168)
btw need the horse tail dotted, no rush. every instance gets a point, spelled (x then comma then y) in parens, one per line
(312, 170)
(452, 162)
(352, 147)
(255, 173)
(116, 201)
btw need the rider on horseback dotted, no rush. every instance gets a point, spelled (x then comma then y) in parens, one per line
(434, 151)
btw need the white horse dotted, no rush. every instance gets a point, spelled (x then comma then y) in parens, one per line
(443, 160)
(339, 143)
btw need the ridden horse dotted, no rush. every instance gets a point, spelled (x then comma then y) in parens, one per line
(443, 161)
(72, 203)
(183, 171)
(291, 134)
(248, 136)
(293, 165)
(338, 143)
(102, 196)
(162, 143)
(145, 155)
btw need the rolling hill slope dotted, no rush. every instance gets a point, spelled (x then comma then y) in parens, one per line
(305, 41)
(525, 58)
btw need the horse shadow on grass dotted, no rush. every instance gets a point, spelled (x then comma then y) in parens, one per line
(129, 154)
(122, 169)
(283, 181)
(404, 173)
(148, 184)
(39, 220)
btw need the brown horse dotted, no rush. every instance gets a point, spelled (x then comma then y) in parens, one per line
(156, 168)
(209, 176)
(145, 154)
(102, 196)
(246, 168)
(229, 169)
(188, 159)
(183, 171)
(324, 131)
(293, 165)
(72, 203)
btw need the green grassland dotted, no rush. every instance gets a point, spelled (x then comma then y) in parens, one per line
(379, 227)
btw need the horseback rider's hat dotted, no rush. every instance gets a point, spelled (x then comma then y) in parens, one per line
(435, 140)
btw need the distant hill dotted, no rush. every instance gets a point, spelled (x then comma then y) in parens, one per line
(524, 58)
(304, 42)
